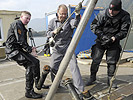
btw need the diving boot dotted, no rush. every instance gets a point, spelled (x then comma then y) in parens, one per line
(91, 80)
(32, 94)
(45, 86)
(113, 84)
(42, 86)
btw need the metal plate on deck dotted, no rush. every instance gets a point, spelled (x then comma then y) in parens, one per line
(120, 93)
(100, 89)
(130, 97)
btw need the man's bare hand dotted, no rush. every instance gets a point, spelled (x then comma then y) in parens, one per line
(57, 30)
(78, 8)
(113, 38)
(34, 53)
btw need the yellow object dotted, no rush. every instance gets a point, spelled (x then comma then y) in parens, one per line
(84, 54)
(47, 55)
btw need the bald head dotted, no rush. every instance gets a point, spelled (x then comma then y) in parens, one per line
(62, 12)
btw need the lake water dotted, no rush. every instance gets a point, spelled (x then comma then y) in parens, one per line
(39, 41)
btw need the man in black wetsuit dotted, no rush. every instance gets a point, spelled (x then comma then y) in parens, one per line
(18, 50)
(110, 27)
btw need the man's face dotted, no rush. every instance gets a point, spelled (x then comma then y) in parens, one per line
(62, 14)
(25, 18)
(113, 12)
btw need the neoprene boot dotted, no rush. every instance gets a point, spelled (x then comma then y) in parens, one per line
(43, 86)
(32, 94)
(93, 70)
(29, 85)
(91, 80)
(46, 86)
(113, 84)
(111, 70)
(39, 81)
